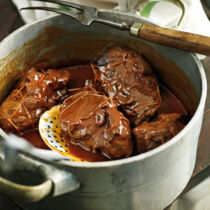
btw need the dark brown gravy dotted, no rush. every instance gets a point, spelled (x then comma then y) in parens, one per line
(170, 104)
(34, 138)
(87, 155)
(80, 77)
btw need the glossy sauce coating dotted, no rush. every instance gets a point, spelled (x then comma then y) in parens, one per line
(127, 78)
(91, 119)
(170, 104)
(33, 95)
(150, 135)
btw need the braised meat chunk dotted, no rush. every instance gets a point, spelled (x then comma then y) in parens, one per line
(127, 78)
(33, 95)
(90, 119)
(151, 135)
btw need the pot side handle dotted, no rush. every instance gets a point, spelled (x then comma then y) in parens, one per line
(24, 193)
(58, 182)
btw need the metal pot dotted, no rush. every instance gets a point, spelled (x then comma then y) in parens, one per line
(148, 181)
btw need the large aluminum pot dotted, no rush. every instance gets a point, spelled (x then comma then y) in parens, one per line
(147, 181)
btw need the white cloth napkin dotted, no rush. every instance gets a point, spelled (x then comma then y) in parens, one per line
(186, 15)
(166, 13)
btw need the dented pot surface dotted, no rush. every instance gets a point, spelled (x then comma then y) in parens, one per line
(148, 181)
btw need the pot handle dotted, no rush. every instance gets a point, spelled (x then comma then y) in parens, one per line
(25, 193)
(57, 181)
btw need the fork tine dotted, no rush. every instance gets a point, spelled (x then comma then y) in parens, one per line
(57, 10)
(65, 3)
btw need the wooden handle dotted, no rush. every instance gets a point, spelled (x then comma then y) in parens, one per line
(177, 39)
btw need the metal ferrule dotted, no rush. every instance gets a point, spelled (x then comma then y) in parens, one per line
(135, 28)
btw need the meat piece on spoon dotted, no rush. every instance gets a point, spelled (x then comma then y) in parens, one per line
(90, 119)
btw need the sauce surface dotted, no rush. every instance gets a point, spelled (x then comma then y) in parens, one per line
(34, 138)
(170, 104)
(84, 154)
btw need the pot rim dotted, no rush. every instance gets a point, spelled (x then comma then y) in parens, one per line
(136, 158)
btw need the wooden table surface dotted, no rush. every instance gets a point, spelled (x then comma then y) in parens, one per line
(10, 20)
